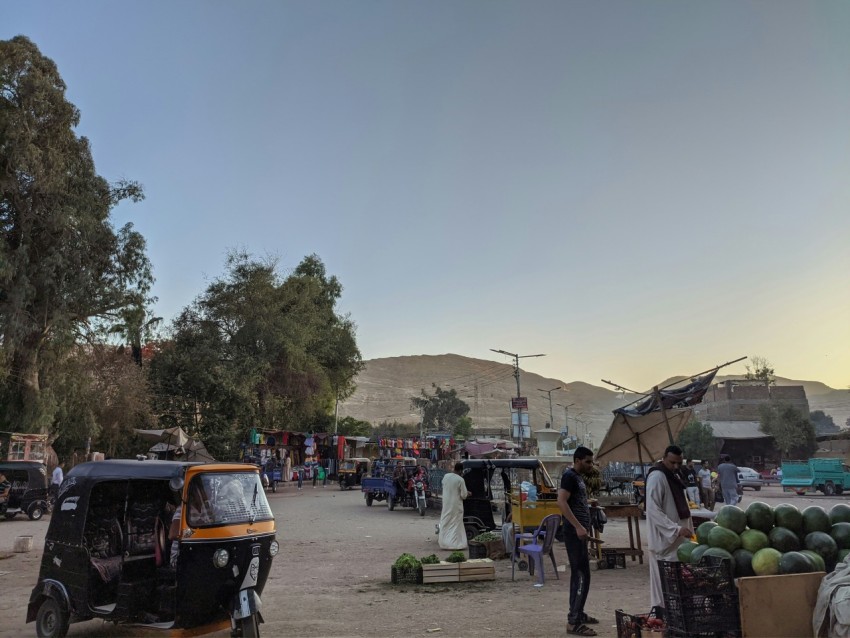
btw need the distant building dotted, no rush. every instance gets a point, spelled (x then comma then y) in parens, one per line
(732, 409)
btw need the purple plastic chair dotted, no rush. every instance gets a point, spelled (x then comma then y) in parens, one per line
(543, 541)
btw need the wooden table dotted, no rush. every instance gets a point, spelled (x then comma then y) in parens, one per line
(632, 514)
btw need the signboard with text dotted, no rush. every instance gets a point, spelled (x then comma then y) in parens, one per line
(519, 403)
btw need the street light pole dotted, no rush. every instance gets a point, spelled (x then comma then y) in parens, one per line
(516, 375)
(566, 414)
(549, 392)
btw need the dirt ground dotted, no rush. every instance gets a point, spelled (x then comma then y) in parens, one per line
(332, 577)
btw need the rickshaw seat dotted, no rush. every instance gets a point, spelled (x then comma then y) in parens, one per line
(543, 540)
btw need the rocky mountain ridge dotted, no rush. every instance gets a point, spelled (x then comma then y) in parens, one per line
(385, 387)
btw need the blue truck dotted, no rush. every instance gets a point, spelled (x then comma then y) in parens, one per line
(830, 476)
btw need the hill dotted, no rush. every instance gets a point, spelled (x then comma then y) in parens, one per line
(385, 387)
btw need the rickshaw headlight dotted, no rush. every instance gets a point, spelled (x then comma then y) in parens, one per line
(274, 548)
(221, 557)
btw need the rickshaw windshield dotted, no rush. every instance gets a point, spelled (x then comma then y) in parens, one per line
(226, 499)
(349, 465)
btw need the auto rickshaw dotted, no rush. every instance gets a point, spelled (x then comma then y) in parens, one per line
(107, 553)
(484, 497)
(351, 472)
(28, 492)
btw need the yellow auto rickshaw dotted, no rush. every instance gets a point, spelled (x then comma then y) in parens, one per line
(351, 472)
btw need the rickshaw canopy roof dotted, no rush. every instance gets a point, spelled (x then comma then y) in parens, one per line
(30, 467)
(127, 468)
(523, 463)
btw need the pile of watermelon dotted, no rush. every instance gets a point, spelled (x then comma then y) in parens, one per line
(764, 541)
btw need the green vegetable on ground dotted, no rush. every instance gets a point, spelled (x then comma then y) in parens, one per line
(407, 561)
(457, 557)
(429, 560)
(487, 537)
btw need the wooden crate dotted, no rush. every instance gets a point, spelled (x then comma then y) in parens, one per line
(477, 569)
(441, 572)
(793, 594)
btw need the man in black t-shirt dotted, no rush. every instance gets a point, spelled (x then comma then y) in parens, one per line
(572, 501)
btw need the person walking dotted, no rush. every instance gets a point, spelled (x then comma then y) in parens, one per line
(727, 476)
(452, 533)
(704, 477)
(56, 479)
(689, 474)
(668, 517)
(572, 501)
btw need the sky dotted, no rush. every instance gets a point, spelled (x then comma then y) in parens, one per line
(635, 189)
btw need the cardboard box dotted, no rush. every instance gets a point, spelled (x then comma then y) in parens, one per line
(441, 572)
(778, 606)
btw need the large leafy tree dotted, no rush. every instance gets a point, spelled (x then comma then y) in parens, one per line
(441, 410)
(697, 441)
(257, 350)
(793, 434)
(63, 266)
(823, 422)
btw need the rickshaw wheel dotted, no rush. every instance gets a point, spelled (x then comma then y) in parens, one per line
(274, 487)
(391, 503)
(51, 621)
(523, 565)
(369, 499)
(35, 512)
(250, 627)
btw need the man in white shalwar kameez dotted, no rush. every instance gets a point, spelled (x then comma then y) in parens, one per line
(452, 534)
(667, 516)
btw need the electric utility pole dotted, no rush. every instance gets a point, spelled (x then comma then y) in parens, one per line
(566, 415)
(551, 416)
(519, 397)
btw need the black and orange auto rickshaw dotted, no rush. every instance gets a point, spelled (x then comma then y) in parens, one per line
(107, 554)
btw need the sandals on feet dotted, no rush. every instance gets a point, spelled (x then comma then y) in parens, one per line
(580, 630)
(589, 620)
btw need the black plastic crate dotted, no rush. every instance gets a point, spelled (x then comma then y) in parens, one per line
(611, 559)
(406, 576)
(477, 550)
(635, 625)
(711, 576)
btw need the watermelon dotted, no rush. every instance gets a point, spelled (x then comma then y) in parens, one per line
(788, 516)
(684, 551)
(743, 563)
(718, 552)
(724, 539)
(840, 513)
(753, 540)
(840, 533)
(816, 558)
(784, 540)
(697, 553)
(703, 530)
(795, 563)
(842, 554)
(760, 516)
(766, 562)
(823, 544)
(732, 517)
(815, 519)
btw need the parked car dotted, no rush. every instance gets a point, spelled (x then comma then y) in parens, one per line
(748, 477)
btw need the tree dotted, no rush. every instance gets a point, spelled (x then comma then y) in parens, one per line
(463, 427)
(63, 267)
(697, 441)
(761, 371)
(823, 422)
(349, 426)
(257, 350)
(793, 434)
(441, 410)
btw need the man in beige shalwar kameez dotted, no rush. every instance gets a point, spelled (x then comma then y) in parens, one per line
(667, 516)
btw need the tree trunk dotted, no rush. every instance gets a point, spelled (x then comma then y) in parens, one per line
(25, 411)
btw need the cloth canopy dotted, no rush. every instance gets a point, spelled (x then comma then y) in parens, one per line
(642, 432)
(175, 443)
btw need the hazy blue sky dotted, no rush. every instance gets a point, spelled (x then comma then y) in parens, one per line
(636, 189)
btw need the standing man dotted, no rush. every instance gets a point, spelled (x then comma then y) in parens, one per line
(689, 474)
(668, 517)
(707, 490)
(572, 501)
(56, 479)
(727, 476)
(452, 534)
